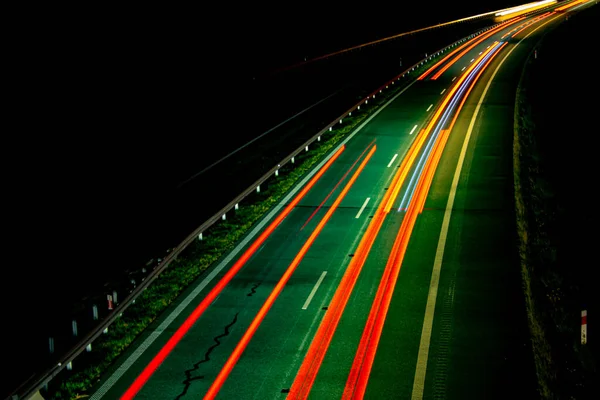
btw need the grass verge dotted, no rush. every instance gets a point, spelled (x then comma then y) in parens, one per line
(552, 285)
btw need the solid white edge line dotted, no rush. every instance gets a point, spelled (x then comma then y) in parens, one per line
(314, 290)
(421, 368)
(392, 160)
(109, 383)
(363, 207)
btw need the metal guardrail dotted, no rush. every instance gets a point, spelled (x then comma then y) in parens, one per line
(33, 385)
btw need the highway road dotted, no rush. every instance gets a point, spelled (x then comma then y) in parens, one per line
(393, 274)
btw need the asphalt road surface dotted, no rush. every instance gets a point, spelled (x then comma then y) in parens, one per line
(307, 313)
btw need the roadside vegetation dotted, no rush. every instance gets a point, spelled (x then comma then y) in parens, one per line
(217, 241)
(555, 273)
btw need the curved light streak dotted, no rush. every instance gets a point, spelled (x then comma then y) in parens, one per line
(446, 114)
(524, 7)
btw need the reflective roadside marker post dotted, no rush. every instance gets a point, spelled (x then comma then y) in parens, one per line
(584, 327)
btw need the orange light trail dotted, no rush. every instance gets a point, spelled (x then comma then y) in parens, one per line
(316, 353)
(361, 368)
(523, 9)
(437, 64)
(446, 132)
(424, 75)
(562, 8)
(241, 346)
(318, 347)
(365, 354)
(141, 380)
(407, 162)
(337, 184)
(435, 158)
(490, 33)
(357, 379)
(537, 19)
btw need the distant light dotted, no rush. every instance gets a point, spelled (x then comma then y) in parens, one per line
(523, 7)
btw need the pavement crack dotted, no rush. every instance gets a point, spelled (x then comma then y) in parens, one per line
(188, 373)
(253, 289)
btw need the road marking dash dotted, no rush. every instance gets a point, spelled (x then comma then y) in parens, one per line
(314, 290)
(392, 160)
(363, 207)
(429, 108)
(413, 129)
(423, 355)
(109, 383)
(453, 79)
(443, 91)
(463, 68)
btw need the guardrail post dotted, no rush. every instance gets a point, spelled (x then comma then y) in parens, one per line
(70, 366)
(115, 301)
(223, 217)
(88, 348)
(306, 148)
(318, 138)
(276, 172)
(583, 326)
(258, 189)
(74, 326)
(51, 344)
(95, 312)
(293, 157)
(200, 236)
(237, 206)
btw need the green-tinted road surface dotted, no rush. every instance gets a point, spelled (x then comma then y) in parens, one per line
(479, 346)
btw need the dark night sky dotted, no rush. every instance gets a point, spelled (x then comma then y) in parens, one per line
(101, 95)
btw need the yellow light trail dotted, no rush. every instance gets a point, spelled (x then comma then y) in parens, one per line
(481, 39)
(358, 377)
(566, 6)
(424, 75)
